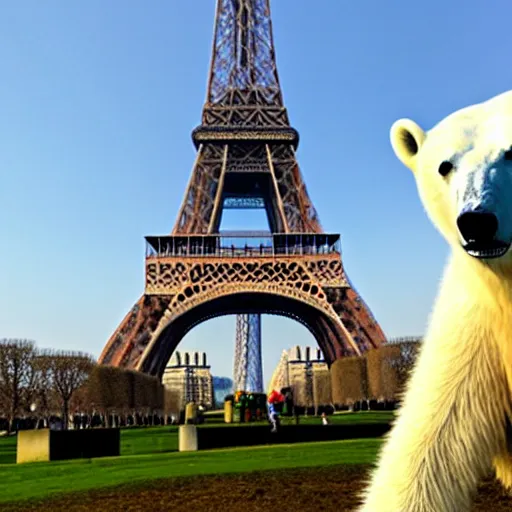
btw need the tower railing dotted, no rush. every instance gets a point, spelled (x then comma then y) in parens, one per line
(240, 244)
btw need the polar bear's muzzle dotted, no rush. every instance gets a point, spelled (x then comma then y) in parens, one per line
(478, 228)
(484, 208)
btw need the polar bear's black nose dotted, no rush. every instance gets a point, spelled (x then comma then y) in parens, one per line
(477, 226)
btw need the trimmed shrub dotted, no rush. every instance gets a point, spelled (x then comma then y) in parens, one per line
(389, 368)
(349, 380)
(222, 437)
(322, 388)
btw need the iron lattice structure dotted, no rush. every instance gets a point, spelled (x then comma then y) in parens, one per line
(245, 156)
(248, 366)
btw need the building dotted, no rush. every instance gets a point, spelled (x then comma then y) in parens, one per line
(188, 377)
(280, 377)
(304, 370)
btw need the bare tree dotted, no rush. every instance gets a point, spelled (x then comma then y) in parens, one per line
(79, 403)
(69, 372)
(44, 389)
(402, 361)
(16, 377)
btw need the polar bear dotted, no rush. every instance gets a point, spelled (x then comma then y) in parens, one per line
(453, 426)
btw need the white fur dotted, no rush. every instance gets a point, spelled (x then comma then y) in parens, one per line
(451, 428)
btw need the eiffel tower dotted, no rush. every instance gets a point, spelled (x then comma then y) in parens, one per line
(245, 158)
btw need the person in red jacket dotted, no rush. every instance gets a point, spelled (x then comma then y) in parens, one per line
(273, 401)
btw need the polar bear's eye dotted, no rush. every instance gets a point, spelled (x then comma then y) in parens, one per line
(508, 154)
(445, 168)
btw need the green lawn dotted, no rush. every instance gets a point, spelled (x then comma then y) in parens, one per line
(135, 441)
(43, 479)
(7, 450)
(139, 441)
(344, 417)
(351, 417)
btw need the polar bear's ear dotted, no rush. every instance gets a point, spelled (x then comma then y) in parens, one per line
(406, 138)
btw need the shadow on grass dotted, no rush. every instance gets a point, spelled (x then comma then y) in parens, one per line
(287, 490)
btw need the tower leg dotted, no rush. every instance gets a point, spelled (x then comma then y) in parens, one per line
(248, 366)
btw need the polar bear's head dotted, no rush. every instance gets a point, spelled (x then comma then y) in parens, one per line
(463, 170)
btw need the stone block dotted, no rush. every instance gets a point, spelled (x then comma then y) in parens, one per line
(33, 446)
(188, 438)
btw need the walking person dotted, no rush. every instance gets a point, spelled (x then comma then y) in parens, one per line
(273, 400)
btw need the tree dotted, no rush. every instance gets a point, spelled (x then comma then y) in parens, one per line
(69, 372)
(402, 361)
(16, 377)
(44, 389)
(79, 403)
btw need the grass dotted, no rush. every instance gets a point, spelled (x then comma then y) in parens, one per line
(150, 440)
(139, 441)
(334, 487)
(8, 450)
(47, 479)
(309, 476)
(343, 418)
(363, 417)
(319, 488)
(133, 442)
(152, 453)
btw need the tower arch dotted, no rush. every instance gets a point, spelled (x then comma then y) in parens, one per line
(325, 330)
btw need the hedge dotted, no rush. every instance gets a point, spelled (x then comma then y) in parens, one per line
(222, 437)
(349, 380)
(110, 388)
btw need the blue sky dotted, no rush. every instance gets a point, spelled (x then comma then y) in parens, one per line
(97, 102)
